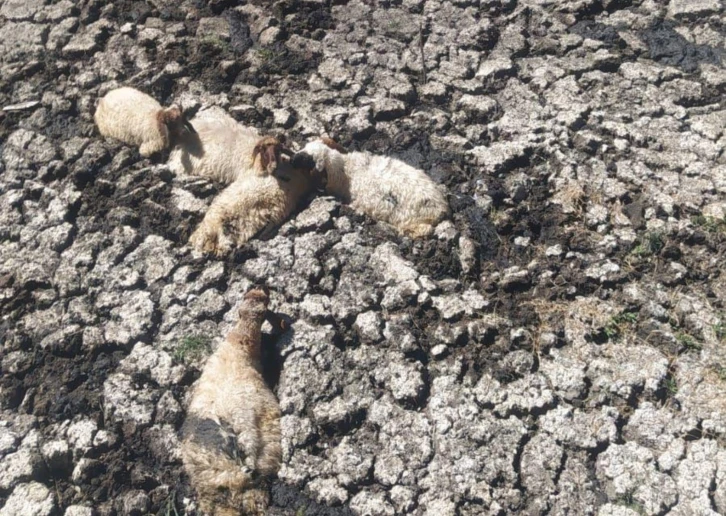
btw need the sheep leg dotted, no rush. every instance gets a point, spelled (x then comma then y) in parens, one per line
(271, 449)
(417, 229)
(208, 237)
(250, 224)
(150, 148)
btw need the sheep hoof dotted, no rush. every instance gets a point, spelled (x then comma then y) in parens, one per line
(146, 150)
(205, 241)
(418, 230)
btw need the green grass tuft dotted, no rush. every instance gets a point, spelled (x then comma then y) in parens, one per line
(192, 348)
(709, 224)
(650, 243)
(615, 326)
(688, 341)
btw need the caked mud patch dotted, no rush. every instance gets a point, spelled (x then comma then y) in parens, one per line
(140, 197)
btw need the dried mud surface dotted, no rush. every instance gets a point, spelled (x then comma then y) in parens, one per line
(558, 346)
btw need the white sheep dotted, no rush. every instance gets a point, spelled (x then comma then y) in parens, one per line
(221, 150)
(383, 188)
(137, 119)
(231, 435)
(253, 204)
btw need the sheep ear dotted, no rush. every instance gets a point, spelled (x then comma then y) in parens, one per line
(287, 152)
(188, 126)
(334, 145)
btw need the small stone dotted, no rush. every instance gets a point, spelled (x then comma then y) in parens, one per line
(328, 491)
(450, 306)
(80, 435)
(446, 231)
(359, 121)
(57, 455)
(693, 8)
(85, 470)
(22, 106)
(371, 504)
(32, 499)
(88, 40)
(479, 108)
(439, 350)
(433, 90)
(20, 466)
(554, 250)
(283, 118)
(467, 254)
(368, 326)
(269, 36)
(211, 28)
(494, 69)
(394, 269)
(388, 109)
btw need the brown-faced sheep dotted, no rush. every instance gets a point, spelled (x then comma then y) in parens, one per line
(231, 436)
(252, 204)
(384, 188)
(137, 119)
(222, 149)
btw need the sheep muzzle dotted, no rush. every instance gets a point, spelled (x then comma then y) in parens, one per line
(269, 150)
(305, 162)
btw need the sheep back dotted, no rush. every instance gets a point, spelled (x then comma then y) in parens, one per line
(130, 116)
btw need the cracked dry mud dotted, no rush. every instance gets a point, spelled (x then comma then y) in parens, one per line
(558, 347)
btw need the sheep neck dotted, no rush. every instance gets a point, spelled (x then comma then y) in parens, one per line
(246, 337)
(337, 177)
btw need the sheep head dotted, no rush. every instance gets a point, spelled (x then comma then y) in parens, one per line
(254, 304)
(320, 157)
(176, 121)
(266, 154)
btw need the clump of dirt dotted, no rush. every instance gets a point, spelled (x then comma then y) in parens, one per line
(295, 502)
(668, 47)
(142, 200)
(309, 20)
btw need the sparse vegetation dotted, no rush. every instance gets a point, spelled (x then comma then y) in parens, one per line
(192, 347)
(265, 54)
(615, 326)
(169, 507)
(214, 41)
(650, 244)
(628, 500)
(720, 329)
(671, 386)
(709, 224)
(688, 341)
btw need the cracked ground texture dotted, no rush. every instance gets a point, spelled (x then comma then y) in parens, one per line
(558, 347)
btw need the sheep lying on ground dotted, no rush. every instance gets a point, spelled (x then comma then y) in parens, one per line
(231, 436)
(222, 149)
(384, 188)
(137, 119)
(252, 204)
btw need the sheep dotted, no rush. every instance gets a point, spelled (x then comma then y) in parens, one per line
(230, 439)
(137, 119)
(252, 204)
(384, 188)
(222, 149)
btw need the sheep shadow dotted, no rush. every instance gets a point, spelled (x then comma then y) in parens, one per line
(189, 144)
(273, 343)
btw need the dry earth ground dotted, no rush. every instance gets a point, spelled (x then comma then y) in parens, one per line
(557, 348)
